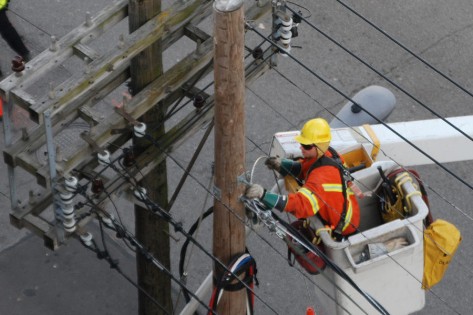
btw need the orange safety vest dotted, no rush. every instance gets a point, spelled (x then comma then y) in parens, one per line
(322, 194)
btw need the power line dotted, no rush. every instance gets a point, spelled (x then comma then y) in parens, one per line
(414, 175)
(29, 22)
(405, 48)
(367, 112)
(157, 210)
(114, 264)
(384, 77)
(155, 206)
(393, 131)
(460, 210)
(365, 138)
(123, 232)
(152, 207)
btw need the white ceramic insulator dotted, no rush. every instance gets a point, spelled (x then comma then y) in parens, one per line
(87, 238)
(71, 183)
(104, 158)
(286, 38)
(69, 225)
(140, 193)
(108, 221)
(66, 197)
(67, 208)
(68, 216)
(139, 130)
(286, 26)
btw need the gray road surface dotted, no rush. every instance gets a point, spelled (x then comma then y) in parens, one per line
(34, 280)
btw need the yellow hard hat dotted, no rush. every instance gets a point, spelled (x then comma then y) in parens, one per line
(315, 131)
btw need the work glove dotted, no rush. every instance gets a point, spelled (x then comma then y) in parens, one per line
(396, 243)
(254, 191)
(273, 163)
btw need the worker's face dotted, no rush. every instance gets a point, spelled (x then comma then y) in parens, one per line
(309, 151)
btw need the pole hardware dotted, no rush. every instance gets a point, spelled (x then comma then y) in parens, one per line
(139, 128)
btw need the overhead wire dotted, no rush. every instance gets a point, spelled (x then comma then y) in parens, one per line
(141, 249)
(28, 21)
(114, 264)
(405, 48)
(390, 81)
(460, 210)
(119, 217)
(155, 209)
(320, 78)
(150, 138)
(176, 108)
(302, 7)
(116, 170)
(201, 73)
(311, 97)
(414, 277)
(367, 112)
(370, 141)
(191, 238)
(383, 76)
(190, 165)
(256, 145)
(464, 266)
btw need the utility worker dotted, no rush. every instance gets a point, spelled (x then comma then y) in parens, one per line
(9, 33)
(325, 191)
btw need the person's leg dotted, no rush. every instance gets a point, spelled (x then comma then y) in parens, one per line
(12, 37)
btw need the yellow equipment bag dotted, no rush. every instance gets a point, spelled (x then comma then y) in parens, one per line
(441, 240)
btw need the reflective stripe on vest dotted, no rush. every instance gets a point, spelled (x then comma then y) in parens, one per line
(339, 188)
(333, 187)
(310, 196)
(348, 216)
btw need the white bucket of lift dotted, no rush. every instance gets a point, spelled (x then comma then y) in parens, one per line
(392, 276)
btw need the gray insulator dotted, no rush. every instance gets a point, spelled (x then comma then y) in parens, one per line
(87, 239)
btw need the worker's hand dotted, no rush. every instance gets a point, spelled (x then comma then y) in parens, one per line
(273, 163)
(396, 243)
(254, 191)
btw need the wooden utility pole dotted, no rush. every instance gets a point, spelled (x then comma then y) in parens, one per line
(229, 232)
(138, 55)
(151, 231)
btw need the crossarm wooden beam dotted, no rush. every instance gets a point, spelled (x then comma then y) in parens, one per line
(70, 95)
(52, 58)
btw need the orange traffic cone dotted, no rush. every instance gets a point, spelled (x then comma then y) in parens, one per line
(310, 311)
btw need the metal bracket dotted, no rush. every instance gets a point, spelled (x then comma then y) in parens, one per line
(244, 178)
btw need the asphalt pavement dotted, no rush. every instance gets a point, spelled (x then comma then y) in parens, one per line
(73, 280)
